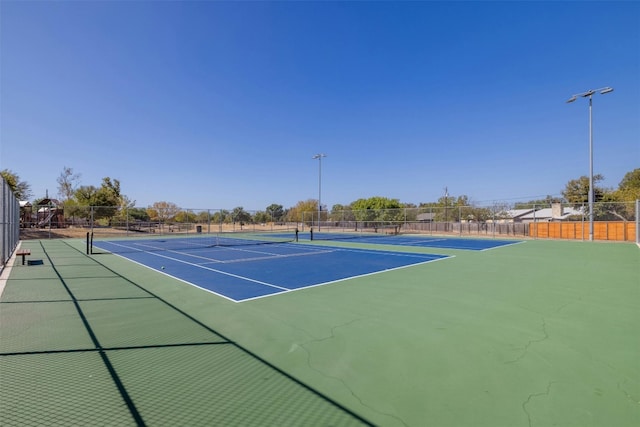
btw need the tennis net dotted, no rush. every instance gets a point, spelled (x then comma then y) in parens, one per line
(363, 233)
(189, 242)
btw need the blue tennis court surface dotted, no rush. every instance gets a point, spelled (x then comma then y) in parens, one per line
(408, 240)
(248, 272)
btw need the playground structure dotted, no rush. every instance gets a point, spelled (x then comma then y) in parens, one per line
(48, 213)
(25, 214)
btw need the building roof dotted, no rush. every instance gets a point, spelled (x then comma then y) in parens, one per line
(49, 202)
(518, 213)
(547, 213)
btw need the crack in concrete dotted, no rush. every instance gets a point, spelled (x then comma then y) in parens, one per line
(525, 349)
(531, 396)
(563, 306)
(332, 335)
(627, 394)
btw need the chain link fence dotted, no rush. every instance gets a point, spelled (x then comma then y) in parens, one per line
(64, 220)
(612, 221)
(9, 222)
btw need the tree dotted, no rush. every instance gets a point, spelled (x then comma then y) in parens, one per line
(576, 191)
(608, 204)
(303, 211)
(629, 187)
(241, 216)
(163, 211)
(85, 195)
(109, 193)
(203, 217)
(375, 203)
(221, 217)
(125, 206)
(21, 189)
(138, 214)
(465, 210)
(186, 217)
(341, 213)
(450, 208)
(262, 217)
(547, 201)
(619, 204)
(276, 212)
(83, 199)
(108, 199)
(378, 209)
(67, 183)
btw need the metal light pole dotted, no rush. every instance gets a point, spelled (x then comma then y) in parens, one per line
(446, 204)
(589, 94)
(319, 157)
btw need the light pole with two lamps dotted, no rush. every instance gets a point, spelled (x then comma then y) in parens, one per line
(589, 94)
(319, 157)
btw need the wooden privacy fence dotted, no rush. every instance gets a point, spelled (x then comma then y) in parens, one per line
(602, 230)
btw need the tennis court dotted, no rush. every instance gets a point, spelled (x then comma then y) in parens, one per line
(534, 334)
(412, 240)
(244, 269)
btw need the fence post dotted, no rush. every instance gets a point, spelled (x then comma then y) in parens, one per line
(494, 221)
(9, 222)
(637, 222)
(4, 229)
(431, 221)
(582, 209)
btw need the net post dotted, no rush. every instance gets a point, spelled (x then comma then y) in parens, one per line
(88, 243)
(311, 233)
(91, 244)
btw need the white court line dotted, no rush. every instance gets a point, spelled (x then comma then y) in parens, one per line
(502, 246)
(349, 278)
(271, 255)
(275, 256)
(174, 277)
(392, 253)
(211, 269)
(177, 252)
(425, 244)
(314, 249)
(243, 249)
(427, 241)
(150, 247)
(6, 271)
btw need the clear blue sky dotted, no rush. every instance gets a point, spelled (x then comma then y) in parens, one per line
(223, 104)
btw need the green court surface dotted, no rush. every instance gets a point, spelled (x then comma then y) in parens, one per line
(543, 333)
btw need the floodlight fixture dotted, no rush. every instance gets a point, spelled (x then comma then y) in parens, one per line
(602, 91)
(589, 94)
